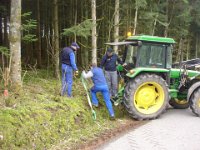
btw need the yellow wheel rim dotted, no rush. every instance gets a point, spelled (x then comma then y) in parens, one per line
(149, 98)
(199, 103)
(181, 102)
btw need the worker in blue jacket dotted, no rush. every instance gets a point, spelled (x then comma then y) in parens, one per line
(68, 66)
(100, 85)
(109, 63)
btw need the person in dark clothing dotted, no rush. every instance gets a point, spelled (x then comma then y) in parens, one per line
(109, 62)
(100, 85)
(68, 65)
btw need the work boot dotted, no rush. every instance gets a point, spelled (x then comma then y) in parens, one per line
(112, 118)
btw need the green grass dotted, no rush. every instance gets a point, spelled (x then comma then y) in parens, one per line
(37, 117)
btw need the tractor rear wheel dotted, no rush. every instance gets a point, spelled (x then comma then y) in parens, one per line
(146, 96)
(179, 104)
(195, 102)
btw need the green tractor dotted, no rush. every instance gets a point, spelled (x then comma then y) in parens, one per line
(152, 82)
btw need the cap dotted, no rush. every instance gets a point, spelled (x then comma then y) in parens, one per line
(75, 45)
(110, 50)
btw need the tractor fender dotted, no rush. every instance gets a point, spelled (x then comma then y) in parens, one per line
(192, 89)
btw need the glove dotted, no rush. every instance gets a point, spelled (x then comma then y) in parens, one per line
(124, 64)
(83, 72)
(76, 73)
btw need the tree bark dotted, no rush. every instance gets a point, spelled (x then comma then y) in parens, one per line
(116, 27)
(127, 21)
(197, 46)
(6, 31)
(135, 20)
(56, 38)
(1, 42)
(167, 19)
(94, 32)
(179, 56)
(1, 33)
(188, 49)
(75, 19)
(15, 43)
(155, 22)
(86, 51)
(154, 25)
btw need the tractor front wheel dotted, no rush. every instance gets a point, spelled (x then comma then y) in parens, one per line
(195, 102)
(146, 96)
(179, 104)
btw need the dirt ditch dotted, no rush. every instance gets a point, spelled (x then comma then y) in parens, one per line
(108, 135)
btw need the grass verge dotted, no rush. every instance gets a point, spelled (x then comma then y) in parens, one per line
(37, 117)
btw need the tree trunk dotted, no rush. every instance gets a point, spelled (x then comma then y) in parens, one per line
(188, 49)
(86, 52)
(56, 38)
(75, 19)
(39, 53)
(6, 31)
(135, 20)
(179, 56)
(127, 21)
(15, 43)
(94, 32)
(1, 42)
(167, 19)
(197, 40)
(155, 22)
(116, 22)
(1, 33)
(47, 17)
(5, 40)
(154, 26)
(110, 23)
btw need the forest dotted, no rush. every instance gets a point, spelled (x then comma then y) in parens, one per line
(34, 32)
(49, 25)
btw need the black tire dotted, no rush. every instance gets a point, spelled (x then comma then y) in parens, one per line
(135, 86)
(179, 105)
(195, 102)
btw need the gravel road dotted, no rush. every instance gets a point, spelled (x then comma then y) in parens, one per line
(174, 130)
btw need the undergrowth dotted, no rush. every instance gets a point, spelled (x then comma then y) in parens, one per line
(37, 117)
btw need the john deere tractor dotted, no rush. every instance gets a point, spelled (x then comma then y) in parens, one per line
(152, 82)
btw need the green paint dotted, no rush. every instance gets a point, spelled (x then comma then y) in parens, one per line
(175, 73)
(148, 38)
(140, 70)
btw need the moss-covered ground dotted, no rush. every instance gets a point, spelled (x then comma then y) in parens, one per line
(37, 117)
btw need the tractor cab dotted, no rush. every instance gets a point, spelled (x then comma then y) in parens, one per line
(148, 54)
(147, 51)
